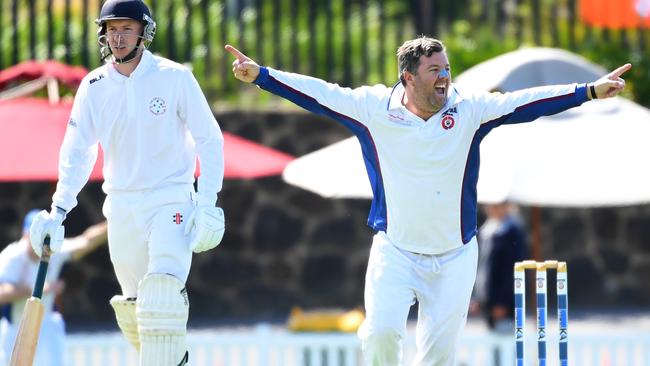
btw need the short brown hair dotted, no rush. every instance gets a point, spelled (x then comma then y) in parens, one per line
(409, 53)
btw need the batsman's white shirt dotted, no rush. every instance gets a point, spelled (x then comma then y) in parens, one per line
(423, 174)
(151, 125)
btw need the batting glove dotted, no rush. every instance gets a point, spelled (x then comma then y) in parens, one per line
(205, 226)
(47, 224)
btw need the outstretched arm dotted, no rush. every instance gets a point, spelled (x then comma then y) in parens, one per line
(85, 243)
(609, 85)
(10, 292)
(529, 104)
(351, 107)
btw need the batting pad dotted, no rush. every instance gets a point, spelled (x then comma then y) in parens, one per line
(125, 314)
(162, 310)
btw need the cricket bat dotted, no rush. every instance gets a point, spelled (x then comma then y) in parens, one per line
(30, 324)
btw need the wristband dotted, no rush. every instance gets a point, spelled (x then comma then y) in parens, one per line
(58, 211)
(593, 91)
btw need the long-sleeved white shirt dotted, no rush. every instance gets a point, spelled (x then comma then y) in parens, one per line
(423, 174)
(151, 126)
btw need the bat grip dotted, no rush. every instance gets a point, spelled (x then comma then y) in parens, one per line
(42, 269)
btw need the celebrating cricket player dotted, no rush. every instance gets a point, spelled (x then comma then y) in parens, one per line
(420, 142)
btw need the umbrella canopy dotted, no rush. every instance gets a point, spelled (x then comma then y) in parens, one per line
(335, 171)
(30, 70)
(248, 159)
(33, 129)
(593, 155)
(32, 132)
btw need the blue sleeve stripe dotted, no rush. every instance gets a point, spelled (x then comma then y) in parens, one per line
(544, 107)
(273, 85)
(377, 218)
(468, 196)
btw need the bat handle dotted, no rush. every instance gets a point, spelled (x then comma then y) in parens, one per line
(42, 269)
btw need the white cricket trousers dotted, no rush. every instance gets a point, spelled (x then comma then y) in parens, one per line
(395, 279)
(146, 233)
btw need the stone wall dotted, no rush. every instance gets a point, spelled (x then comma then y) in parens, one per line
(285, 246)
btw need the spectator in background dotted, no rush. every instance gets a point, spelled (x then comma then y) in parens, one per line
(502, 242)
(18, 268)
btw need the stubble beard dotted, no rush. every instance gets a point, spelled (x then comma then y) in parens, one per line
(429, 101)
(437, 102)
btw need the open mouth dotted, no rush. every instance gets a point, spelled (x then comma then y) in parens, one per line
(440, 90)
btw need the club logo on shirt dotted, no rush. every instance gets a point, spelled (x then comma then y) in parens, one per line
(178, 218)
(157, 106)
(448, 122)
(448, 118)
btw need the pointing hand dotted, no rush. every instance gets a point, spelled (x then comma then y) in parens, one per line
(611, 84)
(244, 68)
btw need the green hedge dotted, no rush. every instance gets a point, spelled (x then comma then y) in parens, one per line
(194, 31)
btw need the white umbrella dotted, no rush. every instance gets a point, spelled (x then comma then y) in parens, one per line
(593, 155)
(335, 171)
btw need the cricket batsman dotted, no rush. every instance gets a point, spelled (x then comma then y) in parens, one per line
(152, 120)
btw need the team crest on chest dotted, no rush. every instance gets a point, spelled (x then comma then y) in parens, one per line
(157, 106)
(448, 121)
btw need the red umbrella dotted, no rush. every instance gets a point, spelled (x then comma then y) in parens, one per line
(31, 132)
(29, 70)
